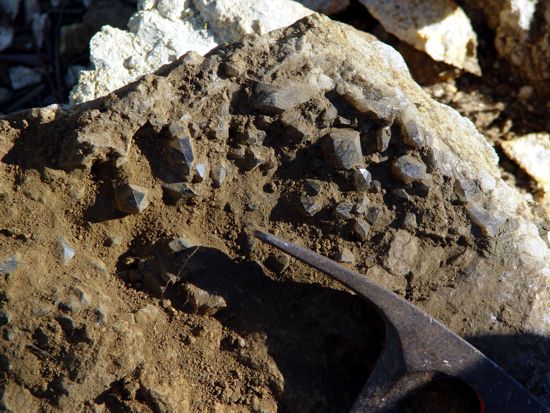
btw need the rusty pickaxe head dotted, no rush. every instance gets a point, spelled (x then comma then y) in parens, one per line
(417, 349)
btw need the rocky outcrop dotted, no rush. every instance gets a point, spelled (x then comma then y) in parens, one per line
(358, 164)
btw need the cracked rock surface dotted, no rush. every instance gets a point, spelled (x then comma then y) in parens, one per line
(114, 328)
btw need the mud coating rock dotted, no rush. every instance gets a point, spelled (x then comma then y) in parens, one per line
(131, 199)
(407, 169)
(342, 149)
(402, 255)
(202, 302)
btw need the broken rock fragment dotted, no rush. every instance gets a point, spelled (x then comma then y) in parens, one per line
(345, 256)
(407, 169)
(411, 132)
(342, 149)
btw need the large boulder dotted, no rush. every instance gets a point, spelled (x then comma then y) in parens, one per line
(473, 250)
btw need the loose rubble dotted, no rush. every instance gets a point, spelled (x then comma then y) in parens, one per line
(188, 310)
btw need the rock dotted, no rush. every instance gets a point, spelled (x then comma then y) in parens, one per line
(312, 187)
(67, 252)
(131, 199)
(178, 191)
(383, 136)
(402, 255)
(342, 149)
(361, 230)
(180, 154)
(179, 244)
(202, 302)
(343, 210)
(218, 173)
(372, 214)
(407, 169)
(361, 179)
(159, 34)
(466, 190)
(200, 172)
(361, 205)
(394, 282)
(441, 29)
(9, 264)
(521, 30)
(500, 289)
(532, 153)
(5, 317)
(21, 76)
(409, 222)
(277, 263)
(400, 193)
(488, 222)
(310, 205)
(376, 186)
(274, 99)
(411, 132)
(382, 111)
(345, 256)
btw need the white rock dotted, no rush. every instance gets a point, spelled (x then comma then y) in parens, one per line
(162, 31)
(532, 153)
(440, 28)
(21, 76)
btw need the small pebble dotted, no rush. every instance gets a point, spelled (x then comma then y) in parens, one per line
(383, 136)
(312, 186)
(361, 205)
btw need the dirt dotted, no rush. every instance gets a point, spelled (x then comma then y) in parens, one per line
(112, 329)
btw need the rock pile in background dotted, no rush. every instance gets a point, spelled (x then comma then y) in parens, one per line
(316, 133)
